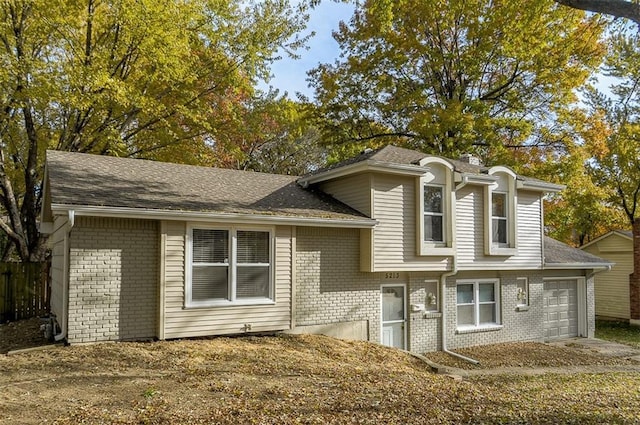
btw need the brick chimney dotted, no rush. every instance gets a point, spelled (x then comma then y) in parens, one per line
(470, 159)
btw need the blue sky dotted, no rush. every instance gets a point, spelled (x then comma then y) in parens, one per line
(288, 74)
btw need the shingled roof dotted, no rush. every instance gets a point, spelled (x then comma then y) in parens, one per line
(560, 255)
(76, 179)
(393, 155)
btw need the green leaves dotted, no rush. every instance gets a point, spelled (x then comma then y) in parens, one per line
(448, 76)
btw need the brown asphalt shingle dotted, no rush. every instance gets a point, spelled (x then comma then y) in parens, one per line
(94, 180)
(558, 253)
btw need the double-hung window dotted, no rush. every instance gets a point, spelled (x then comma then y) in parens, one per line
(499, 219)
(478, 304)
(433, 213)
(229, 266)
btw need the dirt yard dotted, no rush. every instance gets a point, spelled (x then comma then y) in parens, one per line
(301, 380)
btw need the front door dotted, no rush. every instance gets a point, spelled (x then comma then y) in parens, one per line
(393, 316)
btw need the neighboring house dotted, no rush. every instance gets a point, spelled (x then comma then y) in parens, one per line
(394, 246)
(612, 289)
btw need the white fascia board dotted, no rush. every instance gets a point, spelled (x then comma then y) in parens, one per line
(121, 212)
(472, 178)
(370, 165)
(540, 186)
(579, 266)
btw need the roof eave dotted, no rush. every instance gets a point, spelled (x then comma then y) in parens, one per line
(606, 235)
(173, 215)
(368, 165)
(540, 186)
(578, 266)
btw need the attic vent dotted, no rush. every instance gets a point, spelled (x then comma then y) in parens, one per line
(470, 159)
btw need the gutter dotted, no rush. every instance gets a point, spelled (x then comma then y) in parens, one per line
(65, 279)
(443, 287)
(267, 219)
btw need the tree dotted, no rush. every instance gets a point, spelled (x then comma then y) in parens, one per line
(450, 76)
(272, 135)
(618, 8)
(615, 162)
(141, 78)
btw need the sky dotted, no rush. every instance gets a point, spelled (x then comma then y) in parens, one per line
(290, 75)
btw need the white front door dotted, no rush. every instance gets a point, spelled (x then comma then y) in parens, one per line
(393, 316)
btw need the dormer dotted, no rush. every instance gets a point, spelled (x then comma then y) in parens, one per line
(436, 208)
(500, 213)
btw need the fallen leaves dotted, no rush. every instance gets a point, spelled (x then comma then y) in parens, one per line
(297, 380)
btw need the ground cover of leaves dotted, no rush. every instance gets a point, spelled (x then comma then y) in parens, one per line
(292, 380)
(526, 355)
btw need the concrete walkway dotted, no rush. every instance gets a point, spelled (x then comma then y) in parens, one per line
(591, 345)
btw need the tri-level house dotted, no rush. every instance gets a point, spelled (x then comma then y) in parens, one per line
(394, 246)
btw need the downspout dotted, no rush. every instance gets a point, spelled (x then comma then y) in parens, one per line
(443, 288)
(65, 279)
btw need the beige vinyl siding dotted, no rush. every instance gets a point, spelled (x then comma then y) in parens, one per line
(612, 243)
(354, 191)
(394, 238)
(470, 232)
(612, 287)
(182, 322)
(56, 243)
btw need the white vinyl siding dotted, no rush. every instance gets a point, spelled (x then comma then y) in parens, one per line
(354, 191)
(180, 322)
(57, 246)
(470, 232)
(394, 238)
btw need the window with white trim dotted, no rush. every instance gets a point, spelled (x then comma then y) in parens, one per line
(477, 304)
(433, 213)
(435, 208)
(499, 218)
(522, 291)
(228, 266)
(501, 201)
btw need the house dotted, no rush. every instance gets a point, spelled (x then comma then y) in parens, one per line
(612, 289)
(394, 246)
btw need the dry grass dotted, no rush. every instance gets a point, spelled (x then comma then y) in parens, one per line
(525, 355)
(298, 380)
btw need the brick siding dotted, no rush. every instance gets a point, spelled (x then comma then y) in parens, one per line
(113, 280)
(329, 287)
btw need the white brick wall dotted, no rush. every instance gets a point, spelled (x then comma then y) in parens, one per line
(516, 325)
(113, 280)
(329, 287)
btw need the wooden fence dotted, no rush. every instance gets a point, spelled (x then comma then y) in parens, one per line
(24, 290)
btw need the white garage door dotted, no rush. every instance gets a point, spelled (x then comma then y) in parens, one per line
(560, 309)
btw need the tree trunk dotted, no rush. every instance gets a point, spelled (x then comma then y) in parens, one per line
(634, 278)
(618, 8)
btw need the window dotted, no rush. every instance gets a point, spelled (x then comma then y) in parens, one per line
(435, 208)
(522, 292)
(433, 214)
(500, 207)
(499, 219)
(228, 265)
(477, 304)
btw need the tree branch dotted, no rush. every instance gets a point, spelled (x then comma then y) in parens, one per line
(618, 8)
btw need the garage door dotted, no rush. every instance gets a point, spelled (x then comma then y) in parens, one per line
(560, 309)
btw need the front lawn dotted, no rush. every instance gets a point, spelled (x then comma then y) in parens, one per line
(621, 332)
(290, 380)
